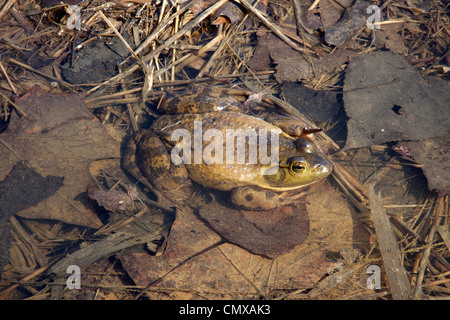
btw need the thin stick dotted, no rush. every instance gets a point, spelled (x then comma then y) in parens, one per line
(159, 29)
(396, 273)
(7, 78)
(14, 105)
(429, 240)
(272, 27)
(6, 7)
(102, 15)
(66, 84)
(27, 278)
(187, 27)
(314, 5)
(174, 50)
(189, 57)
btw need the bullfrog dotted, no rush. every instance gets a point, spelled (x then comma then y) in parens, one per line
(205, 137)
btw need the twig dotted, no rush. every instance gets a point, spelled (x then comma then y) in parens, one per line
(407, 231)
(25, 237)
(102, 15)
(187, 27)
(426, 253)
(396, 274)
(7, 78)
(314, 5)
(215, 55)
(159, 29)
(27, 278)
(23, 65)
(272, 27)
(14, 105)
(102, 248)
(6, 7)
(208, 46)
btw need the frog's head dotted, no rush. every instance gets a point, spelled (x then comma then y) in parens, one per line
(306, 166)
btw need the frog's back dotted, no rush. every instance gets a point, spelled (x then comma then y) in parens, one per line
(229, 154)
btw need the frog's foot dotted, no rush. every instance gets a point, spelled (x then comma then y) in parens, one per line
(251, 198)
(287, 198)
(293, 127)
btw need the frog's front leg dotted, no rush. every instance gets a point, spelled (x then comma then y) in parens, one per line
(147, 159)
(293, 127)
(254, 198)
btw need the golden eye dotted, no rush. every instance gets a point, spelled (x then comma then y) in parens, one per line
(298, 166)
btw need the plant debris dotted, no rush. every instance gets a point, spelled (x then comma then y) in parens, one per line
(57, 138)
(105, 67)
(380, 84)
(22, 188)
(433, 155)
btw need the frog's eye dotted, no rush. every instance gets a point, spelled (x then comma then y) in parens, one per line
(298, 165)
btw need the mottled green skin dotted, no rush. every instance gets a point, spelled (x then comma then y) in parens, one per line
(249, 187)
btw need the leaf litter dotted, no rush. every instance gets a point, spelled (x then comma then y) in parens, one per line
(59, 137)
(387, 100)
(191, 244)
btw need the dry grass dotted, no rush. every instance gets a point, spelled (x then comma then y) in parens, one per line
(172, 49)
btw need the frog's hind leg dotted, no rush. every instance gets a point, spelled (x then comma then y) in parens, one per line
(147, 159)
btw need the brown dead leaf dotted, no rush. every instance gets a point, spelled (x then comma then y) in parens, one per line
(200, 5)
(230, 11)
(22, 188)
(387, 100)
(329, 12)
(269, 233)
(434, 155)
(111, 200)
(292, 65)
(388, 37)
(353, 20)
(59, 137)
(196, 260)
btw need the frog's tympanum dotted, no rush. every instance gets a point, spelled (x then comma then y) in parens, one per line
(204, 137)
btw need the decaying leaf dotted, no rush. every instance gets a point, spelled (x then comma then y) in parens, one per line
(319, 106)
(230, 11)
(292, 65)
(197, 261)
(22, 188)
(352, 21)
(434, 155)
(111, 200)
(58, 137)
(200, 5)
(270, 233)
(389, 37)
(252, 101)
(387, 100)
(96, 61)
